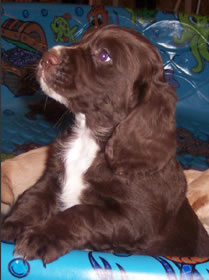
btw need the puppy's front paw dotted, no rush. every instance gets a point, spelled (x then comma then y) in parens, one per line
(36, 244)
(11, 230)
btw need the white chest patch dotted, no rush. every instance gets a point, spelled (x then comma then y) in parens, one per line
(79, 154)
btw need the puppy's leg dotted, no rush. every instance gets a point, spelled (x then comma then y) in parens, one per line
(33, 207)
(79, 227)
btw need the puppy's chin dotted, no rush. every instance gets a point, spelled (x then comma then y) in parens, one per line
(43, 76)
(51, 93)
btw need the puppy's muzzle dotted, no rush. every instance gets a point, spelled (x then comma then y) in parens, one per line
(49, 60)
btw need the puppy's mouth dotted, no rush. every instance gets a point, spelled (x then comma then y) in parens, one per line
(47, 75)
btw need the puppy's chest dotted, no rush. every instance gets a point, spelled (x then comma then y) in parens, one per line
(78, 154)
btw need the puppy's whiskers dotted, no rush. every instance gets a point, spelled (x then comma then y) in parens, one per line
(45, 103)
(60, 120)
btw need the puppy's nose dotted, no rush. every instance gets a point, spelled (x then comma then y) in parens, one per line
(49, 59)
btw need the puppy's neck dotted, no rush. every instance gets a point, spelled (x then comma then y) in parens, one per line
(101, 130)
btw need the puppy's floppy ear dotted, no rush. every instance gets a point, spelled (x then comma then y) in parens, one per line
(146, 138)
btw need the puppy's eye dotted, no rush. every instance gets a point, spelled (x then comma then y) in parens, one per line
(104, 56)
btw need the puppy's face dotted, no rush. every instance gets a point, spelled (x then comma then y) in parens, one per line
(99, 72)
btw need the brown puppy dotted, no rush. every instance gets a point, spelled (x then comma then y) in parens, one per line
(113, 183)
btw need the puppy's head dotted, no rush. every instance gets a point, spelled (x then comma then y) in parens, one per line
(109, 70)
(115, 76)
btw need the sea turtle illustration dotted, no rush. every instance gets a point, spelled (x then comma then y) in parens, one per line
(61, 29)
(196, 34)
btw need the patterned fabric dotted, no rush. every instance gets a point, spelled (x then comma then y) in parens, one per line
(29, 121)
